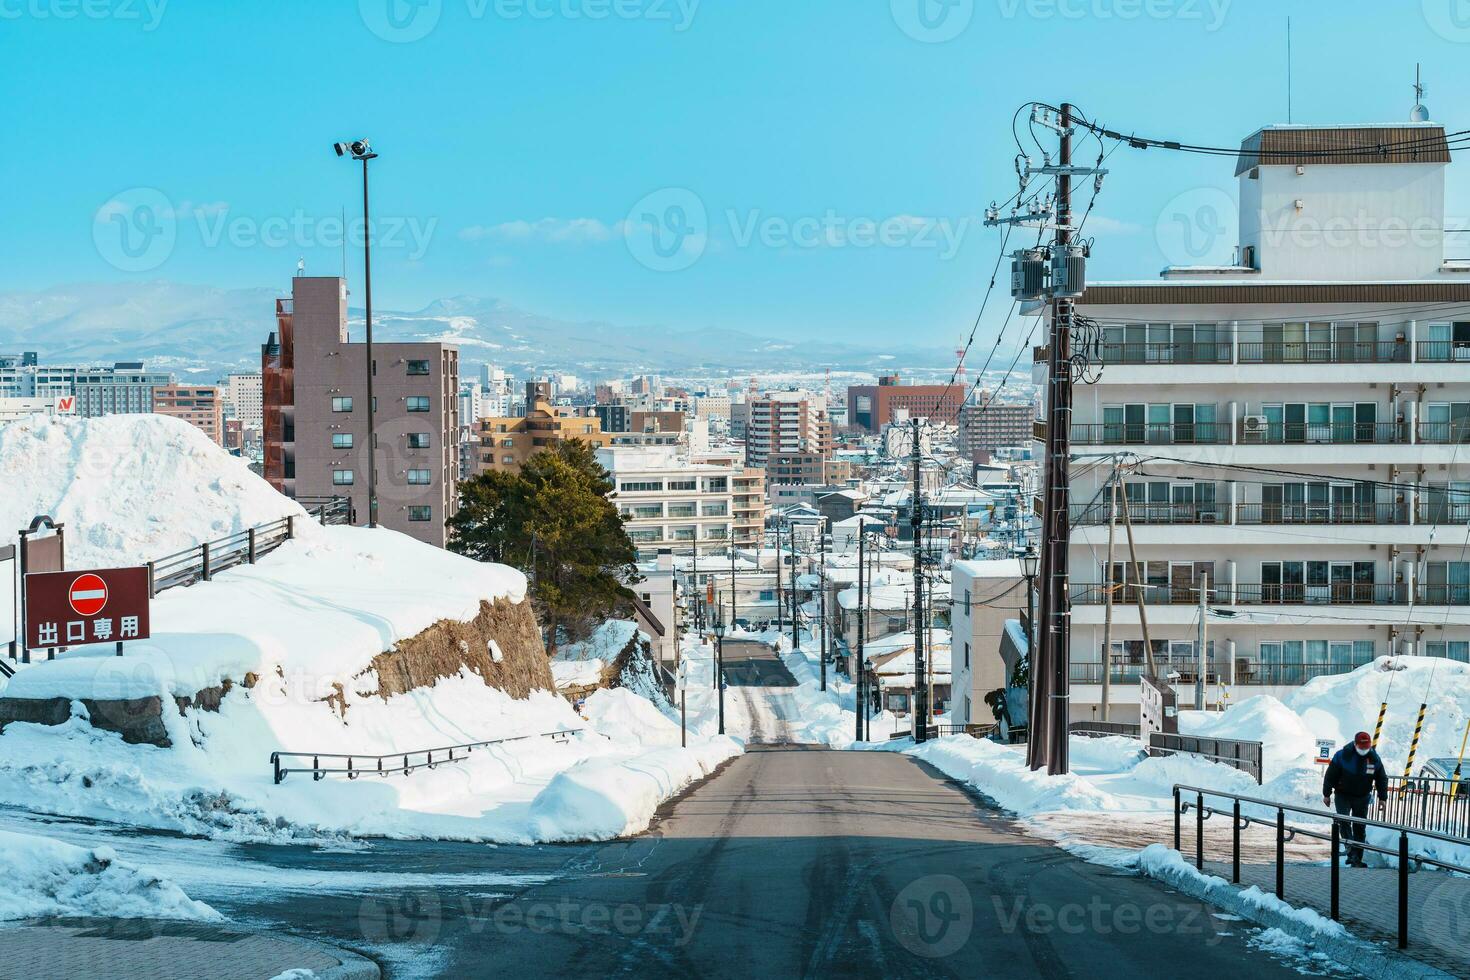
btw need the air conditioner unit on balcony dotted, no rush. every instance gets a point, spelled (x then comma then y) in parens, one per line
(1255, 428)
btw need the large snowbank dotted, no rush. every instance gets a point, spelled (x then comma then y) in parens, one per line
(45, 877)
(130, 488)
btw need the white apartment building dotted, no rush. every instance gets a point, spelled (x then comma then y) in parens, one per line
(1293, 429)
(678, 502)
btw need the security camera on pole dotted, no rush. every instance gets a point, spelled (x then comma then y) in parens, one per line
(1056, 276)
(361, 150)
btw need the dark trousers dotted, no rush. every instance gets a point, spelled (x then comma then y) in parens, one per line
(1354, 806)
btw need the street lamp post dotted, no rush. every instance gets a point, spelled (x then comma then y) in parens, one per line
(720, 664)
(361, 150)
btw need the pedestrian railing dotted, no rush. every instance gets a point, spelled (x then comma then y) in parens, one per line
(202, 562)
(1102, 729)
(1240, 820)
(1236, 753)
(324, 764)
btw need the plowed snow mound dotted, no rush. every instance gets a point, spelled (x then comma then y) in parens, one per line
(130, 488)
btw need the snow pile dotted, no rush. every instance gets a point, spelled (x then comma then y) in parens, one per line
(577, 673)
(130, 488)
(45, 878)
(1000, 772)
(620, 710)
(601, 800)
(1286, 740)
(607, 641)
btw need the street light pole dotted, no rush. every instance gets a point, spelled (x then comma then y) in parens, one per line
(361, 150)
(720, 665)
(857, 665)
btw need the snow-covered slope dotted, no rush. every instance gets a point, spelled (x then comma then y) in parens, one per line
(130, 487)
(346, 640)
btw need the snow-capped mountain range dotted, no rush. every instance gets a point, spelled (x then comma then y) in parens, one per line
(200, 332)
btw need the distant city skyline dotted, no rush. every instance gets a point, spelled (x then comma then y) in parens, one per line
(769, 168)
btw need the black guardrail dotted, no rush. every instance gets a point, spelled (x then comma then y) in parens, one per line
(1102, 729)
(397, 762)
(1242, 755)
(203, 561)
(1240, 821)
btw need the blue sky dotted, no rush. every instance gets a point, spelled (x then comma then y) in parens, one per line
(831, 158)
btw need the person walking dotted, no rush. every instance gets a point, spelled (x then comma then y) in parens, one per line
(1355, 774)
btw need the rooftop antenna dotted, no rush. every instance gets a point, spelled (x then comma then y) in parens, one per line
(1418, 113)
(301, 267)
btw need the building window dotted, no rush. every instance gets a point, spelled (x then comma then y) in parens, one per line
(420, 513)
(418, 478)
(341, 478)
(341, 404)
(418, 368)
(508, 460)
(417, 403)
(640, 487)
(341, 440)
(683, 485)
(418, 440)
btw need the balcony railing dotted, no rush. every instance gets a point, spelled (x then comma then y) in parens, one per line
(1443, 351)
(1444, 512)
(1323, 433)
(1247, 672)
(1150, 434)
(1139, 513)
(1387, 513)
(1444, 433)
(1323, 352)
(1334, 594)
(1208, 352)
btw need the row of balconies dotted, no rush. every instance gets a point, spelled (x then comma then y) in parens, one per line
(1258, 514)
(1250, 431)
(1247, 672)
(1276, 594)
(1286, 352)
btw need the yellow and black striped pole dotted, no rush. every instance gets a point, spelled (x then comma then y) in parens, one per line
(1378, 729)
(1455, 786)
(1414, 745)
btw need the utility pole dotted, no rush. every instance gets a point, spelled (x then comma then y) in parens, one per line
(795, 624)
(694, 586)
(822, 597)
(1107, 644)
(916, 522)
(1202, 661)
(732, 582)
(780, 596)
(857, 666)
(1138, 586)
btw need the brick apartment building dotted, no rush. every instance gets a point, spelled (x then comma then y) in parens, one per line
(315, 414)
(871, 407)
(506, 443)
(199, 405)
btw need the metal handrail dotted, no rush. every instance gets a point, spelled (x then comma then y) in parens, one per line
(1283, 834)
(376, 762)
(202, 561)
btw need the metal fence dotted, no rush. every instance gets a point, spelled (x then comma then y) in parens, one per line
(324, 764)
(1240, 820)
(1245, 756)
(1429, 803)
(1102, 729)
(202, 562)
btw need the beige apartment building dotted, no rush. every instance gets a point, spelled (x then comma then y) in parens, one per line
(506, 443)
(786, 422)
(315, 414)
(199, 405)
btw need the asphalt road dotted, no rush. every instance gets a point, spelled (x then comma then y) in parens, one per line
(791, 862)
(752, 664)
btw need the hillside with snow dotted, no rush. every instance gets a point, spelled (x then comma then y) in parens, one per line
(342, 642)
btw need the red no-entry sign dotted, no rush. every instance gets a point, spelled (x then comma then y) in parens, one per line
(99, 605)
(88, 595)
